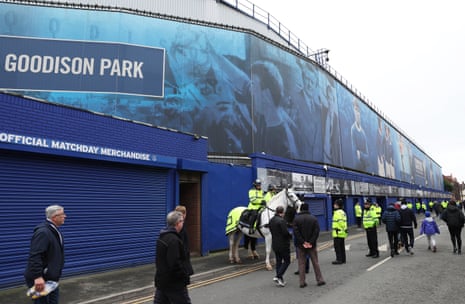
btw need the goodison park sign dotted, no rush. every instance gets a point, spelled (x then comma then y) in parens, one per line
(80, 66)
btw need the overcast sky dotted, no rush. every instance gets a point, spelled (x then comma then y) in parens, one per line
(406, 57)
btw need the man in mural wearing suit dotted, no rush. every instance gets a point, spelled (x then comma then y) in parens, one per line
(359, 141)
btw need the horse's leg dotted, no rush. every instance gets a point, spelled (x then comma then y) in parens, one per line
(268, 251)
(237, 241)
(231, 247)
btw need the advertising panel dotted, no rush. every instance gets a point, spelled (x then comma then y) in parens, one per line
(245, 94)
(33, 64)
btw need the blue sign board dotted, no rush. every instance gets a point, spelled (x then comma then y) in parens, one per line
(80, 66)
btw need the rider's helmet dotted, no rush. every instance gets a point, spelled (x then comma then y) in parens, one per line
(257, 182)
(271, 187)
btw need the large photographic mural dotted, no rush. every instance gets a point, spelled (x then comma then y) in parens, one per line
(245, 94)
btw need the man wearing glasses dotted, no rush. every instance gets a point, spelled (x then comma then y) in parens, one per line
(46, 256)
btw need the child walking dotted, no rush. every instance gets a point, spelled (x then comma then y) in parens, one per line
(429, 228)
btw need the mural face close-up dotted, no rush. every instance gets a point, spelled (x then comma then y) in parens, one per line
(243, 93)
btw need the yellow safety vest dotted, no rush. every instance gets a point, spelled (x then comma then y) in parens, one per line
(370, 219)
(339, 224)
(255, 199)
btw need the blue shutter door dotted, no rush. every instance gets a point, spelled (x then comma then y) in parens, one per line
(114, 211)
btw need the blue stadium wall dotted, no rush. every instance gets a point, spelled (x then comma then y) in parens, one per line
(116, 179)
(245, 93)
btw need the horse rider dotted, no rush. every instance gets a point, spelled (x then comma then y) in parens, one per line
(271, 192)
(256, 202)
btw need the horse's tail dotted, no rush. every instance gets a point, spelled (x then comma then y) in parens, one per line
(233, 219)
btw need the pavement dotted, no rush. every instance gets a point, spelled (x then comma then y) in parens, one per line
(124, 285)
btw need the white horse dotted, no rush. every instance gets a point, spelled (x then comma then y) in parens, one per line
(234, 230)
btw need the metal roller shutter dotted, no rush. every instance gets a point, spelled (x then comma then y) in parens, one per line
(114, 211)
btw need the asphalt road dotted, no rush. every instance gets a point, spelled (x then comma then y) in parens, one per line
(424, 277)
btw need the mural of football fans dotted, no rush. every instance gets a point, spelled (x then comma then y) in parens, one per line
(330, 121)
(359, 141)
(275, 128)
(212, 90)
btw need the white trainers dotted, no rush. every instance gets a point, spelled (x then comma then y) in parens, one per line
(281, 282)
(411, 251)
(275, 279)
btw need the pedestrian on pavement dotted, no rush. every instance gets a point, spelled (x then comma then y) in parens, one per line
(307, 258)
(339, 232)
(408, 222)
(172, 271)
(281, 244)
(46, 255)
(455, 220)
(370, 221)
(429, 228)
(306, 232)
(391, 218)
(185, 238)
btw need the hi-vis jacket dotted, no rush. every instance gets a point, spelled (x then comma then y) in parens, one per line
(339, 224)
(370, 219)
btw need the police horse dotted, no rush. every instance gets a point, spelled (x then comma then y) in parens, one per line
(235, 227)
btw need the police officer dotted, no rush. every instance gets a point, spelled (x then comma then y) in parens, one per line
(271, 192)
(256, 202)
(358, 214)
(370, 221)
(339, 232)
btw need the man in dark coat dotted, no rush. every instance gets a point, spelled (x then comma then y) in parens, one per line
(306, 233)
(281, 244)
(46, 254)
(408, 221)
(454, 219)
(391, 218)
(172, 269)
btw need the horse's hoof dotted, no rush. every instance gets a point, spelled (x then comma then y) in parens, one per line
(269, 267)
(232, 261)
(256, 257)
(238, 261)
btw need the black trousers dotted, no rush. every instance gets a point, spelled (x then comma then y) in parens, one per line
(283, 260)
(340, 249)
(372, 240)
(408, 238)
(455, 237)
(393, 237)
(172, 296)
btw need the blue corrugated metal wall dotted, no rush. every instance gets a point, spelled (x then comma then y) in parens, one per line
(114, 211)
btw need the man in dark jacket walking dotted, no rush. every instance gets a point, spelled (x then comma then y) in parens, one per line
(172, 269)
(281, 244)
(306, 232)
(454, 219)
(46, 254)
(408, 221)
(391, 218)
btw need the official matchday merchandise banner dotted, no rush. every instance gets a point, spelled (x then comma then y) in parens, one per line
(80, 66)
